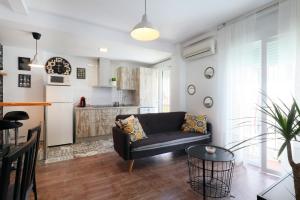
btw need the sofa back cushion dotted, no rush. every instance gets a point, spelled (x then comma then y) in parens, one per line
(159, 122)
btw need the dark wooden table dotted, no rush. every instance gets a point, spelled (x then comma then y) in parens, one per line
(281, 190)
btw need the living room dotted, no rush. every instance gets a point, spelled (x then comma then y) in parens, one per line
(148, 99)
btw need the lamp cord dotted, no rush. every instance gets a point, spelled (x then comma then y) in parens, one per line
(35, 46)
(145, 7)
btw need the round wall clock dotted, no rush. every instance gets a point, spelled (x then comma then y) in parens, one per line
(191, 89)
(58, 65)
(209, 72)
(208, 102)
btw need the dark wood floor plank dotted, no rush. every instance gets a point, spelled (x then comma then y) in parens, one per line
(162, 177)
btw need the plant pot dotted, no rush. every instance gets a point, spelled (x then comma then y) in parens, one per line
(296, 174)
(114, 83)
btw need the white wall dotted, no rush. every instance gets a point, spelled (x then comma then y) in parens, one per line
(36, 93)
(204, 87)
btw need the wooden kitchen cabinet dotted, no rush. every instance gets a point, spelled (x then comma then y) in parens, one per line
(98, 121)
(147, 94)
(85, 122)
(126, 78)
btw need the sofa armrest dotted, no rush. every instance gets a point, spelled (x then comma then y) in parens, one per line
(209, 127)
(121, 143)
(210, 130)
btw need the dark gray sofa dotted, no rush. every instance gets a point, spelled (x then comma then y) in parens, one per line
(164, 135)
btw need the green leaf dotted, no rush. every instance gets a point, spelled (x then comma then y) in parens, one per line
(282, 122)
(291, 119)
(283, 146)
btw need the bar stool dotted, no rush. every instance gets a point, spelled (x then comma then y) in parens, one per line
(15, 117)
(5, 126)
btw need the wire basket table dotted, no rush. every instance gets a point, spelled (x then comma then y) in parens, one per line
(210, 174)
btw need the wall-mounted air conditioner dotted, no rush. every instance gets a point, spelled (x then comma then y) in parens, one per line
(199, 49)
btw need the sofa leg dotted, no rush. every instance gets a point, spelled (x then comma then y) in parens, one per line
(130, 165)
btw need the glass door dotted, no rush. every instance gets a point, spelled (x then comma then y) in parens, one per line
(272, 77)
(164, 87)
(276, 87)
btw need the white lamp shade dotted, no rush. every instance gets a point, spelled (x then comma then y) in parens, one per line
(144, 31)
(35, 62)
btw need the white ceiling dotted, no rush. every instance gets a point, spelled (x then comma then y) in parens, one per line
(81, 27)
(177, 20)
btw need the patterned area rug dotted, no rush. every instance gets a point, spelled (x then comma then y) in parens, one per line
(82, 149)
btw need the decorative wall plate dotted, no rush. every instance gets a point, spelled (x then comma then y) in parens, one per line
(208, 102)
(191, 89)
(209, 72)
(58, 65)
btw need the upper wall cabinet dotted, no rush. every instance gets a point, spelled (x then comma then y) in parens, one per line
(126, 78)
(103, 76)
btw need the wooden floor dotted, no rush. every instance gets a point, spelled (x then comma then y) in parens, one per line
(162, 177)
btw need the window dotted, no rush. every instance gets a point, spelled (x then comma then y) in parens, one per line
(164, 89)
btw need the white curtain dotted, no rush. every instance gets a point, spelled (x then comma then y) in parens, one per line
(239, 61)
(255, 53)
(283, 77)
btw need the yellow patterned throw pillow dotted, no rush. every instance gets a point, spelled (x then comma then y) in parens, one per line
(132, 126)
(194, 123)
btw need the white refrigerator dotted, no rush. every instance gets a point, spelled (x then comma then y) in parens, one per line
(59, 116)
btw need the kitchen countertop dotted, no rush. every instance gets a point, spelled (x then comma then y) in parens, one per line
(104, 107)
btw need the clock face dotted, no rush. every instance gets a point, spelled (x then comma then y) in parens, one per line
(191, 89)
(58, 65)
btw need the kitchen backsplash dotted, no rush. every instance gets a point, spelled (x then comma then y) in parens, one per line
(126, 97)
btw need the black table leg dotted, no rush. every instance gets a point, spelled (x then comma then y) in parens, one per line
(203, 165)
(212, 169)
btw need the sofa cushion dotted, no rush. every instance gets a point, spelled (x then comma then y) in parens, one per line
(132, 127)
(194, 123)
(159, 122)
(164, 139)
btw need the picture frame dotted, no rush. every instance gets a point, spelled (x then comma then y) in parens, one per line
(23, 64)
(24, 80)
(81, 73)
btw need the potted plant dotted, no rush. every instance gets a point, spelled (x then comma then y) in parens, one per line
(287, 124)
(284, 120)
(114, 81)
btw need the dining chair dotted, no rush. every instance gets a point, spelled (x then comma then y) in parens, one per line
(31, 132)
(24, 176)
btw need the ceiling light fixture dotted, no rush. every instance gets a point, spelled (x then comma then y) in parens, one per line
(144, 31)
(104, 50)
(35, 62)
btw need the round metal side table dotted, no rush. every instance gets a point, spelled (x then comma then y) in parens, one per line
(210, 174)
